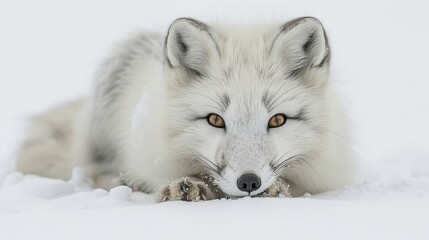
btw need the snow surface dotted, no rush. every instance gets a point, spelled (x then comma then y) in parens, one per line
(49, 51)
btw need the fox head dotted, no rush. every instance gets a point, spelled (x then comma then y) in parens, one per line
(246, 104)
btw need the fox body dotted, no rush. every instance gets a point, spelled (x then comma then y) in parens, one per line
(205, 112)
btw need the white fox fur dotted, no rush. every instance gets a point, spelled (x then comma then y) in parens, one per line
(146, 126)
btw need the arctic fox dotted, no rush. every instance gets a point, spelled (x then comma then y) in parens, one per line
(206, 112)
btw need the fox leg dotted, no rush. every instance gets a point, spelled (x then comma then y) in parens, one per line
(280, 188)
(188, 189)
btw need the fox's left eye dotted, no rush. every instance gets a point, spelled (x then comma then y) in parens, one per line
(215, 120)
(277, 120)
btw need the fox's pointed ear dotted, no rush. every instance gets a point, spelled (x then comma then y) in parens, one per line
(190, 44)
(303, 44)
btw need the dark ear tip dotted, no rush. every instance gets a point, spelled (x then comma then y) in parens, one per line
(297, 21)
(307, 19)
(311, 18)
(193, 22)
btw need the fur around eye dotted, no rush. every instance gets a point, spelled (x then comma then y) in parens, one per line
(277, 120)
(215, 120)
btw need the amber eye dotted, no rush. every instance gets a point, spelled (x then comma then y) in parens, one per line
(277, 120)
(215, 120)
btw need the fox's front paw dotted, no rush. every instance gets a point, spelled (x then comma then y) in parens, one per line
(280, 188)
(186, 189)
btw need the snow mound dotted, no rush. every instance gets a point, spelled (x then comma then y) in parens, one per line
(390, 203)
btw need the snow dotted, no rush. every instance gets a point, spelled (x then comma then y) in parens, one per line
(377, 209)
(50, 49)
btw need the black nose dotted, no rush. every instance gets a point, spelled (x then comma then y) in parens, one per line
(249, 182)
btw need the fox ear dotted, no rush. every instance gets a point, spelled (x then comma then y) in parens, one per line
(190, 45)
(303, 44)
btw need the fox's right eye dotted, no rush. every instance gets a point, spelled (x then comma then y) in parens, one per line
(277, 120)
(215, 120)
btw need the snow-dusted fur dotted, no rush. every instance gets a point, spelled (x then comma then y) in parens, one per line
(146, 123)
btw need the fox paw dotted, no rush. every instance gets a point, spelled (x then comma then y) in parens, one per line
(186, 189)
(280, 188)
